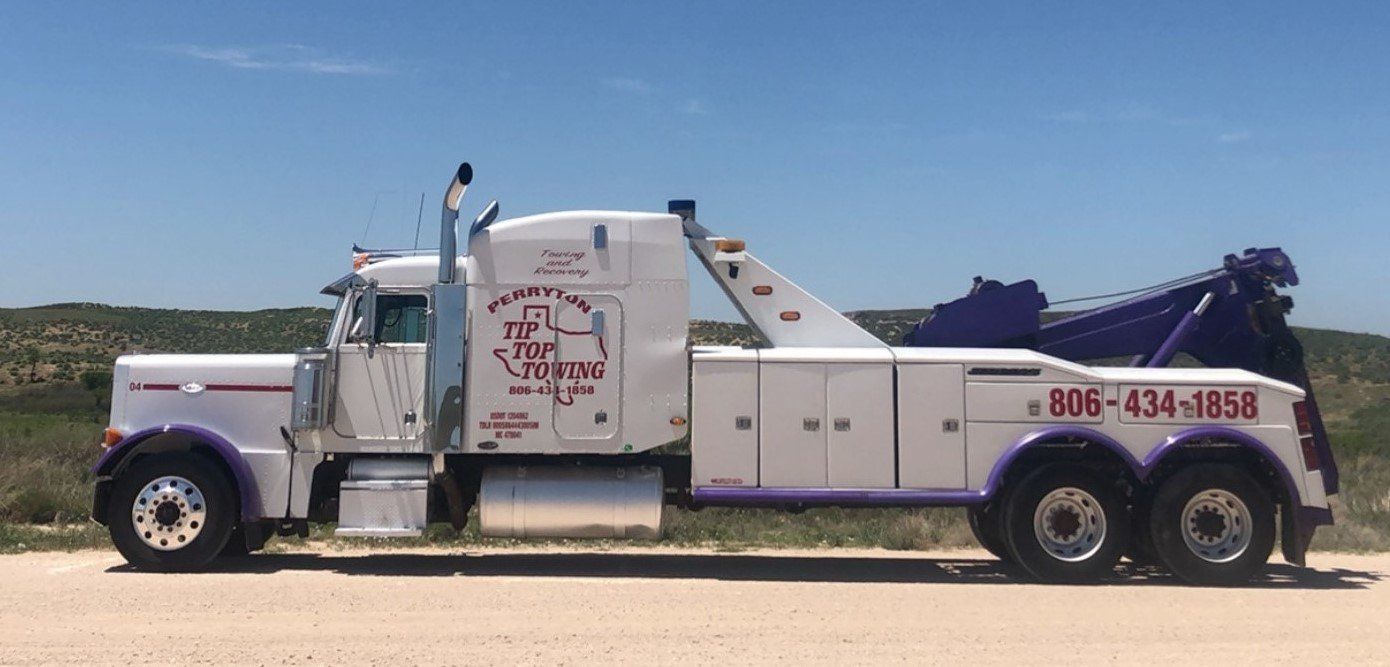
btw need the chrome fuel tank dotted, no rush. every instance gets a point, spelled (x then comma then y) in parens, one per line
(571, 501)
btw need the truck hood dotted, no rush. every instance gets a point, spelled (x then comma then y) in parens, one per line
(155, 389)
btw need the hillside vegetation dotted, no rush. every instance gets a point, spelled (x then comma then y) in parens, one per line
(55, 386)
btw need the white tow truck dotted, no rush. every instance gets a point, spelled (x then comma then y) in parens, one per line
(532, 374)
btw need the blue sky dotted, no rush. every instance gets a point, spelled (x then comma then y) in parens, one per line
(879, 154)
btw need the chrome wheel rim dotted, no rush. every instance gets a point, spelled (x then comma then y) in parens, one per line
(1069, 524)
(169, 513)
(1216, 526)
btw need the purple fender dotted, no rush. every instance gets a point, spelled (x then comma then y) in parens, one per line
(245, 480)
(1142, 469)
(1228, 434)
(1001, 467)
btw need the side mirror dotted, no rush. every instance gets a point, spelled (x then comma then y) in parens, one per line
(364, 326)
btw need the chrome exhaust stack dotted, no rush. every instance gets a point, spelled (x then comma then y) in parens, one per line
(448, 223)
(445, 345)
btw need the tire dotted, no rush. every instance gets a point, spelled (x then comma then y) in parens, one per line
(1197, 520)
(1065, 524)
(985, 523)
(186, 500)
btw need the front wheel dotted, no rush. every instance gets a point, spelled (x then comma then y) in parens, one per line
(1212, 524)
(171, 512)
(1063, 523)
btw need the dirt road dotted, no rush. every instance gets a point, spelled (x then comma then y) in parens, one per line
(664, 606)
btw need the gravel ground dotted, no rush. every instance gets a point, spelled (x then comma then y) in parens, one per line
(672, 605)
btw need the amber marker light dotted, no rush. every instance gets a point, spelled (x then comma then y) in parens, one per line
(678, 421)
(729, 245)
(790, 316)
(762, 290)
(110, 437)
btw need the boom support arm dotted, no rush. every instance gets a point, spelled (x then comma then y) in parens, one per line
(780, 311)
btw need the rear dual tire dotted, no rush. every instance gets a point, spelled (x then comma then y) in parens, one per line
(1064, 523)
(987, 526)
(1212, 525)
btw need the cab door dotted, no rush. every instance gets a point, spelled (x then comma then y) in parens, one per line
(586, 376)
(380, 384)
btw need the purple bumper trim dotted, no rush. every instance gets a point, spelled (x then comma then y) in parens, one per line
(245, 479)
(745, 496)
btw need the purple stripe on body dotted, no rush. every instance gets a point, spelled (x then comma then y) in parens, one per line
(722, 495)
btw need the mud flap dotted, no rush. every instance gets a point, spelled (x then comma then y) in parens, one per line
(101, 496)
(1296, 528)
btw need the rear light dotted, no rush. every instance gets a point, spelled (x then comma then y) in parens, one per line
(1311, 460)
(1300, 416)
(111, 437)
(1310, 453)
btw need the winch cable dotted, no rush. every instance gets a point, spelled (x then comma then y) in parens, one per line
(1142, 290)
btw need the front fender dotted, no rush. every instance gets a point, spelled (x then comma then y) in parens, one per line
(114, 459)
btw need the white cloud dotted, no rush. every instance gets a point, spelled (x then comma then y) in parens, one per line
(627, 84)
(1126, 113)
(1233, 137)
(695, 107)
(289, 57)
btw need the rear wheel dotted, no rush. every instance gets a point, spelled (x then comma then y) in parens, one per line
(1063, 523)
(1213, 524)
(171, 512)
(987, 525)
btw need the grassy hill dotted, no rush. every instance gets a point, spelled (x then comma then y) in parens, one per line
(54, 387)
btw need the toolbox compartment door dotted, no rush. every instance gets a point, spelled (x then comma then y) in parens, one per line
(859, 425)
(792, 432)
(724, 419)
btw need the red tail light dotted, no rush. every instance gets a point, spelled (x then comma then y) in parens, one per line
(1310, 453)
(1300, 415)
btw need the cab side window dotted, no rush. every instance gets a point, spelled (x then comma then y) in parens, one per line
(400, 318)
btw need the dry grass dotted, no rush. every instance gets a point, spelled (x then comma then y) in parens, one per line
(44, 477)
